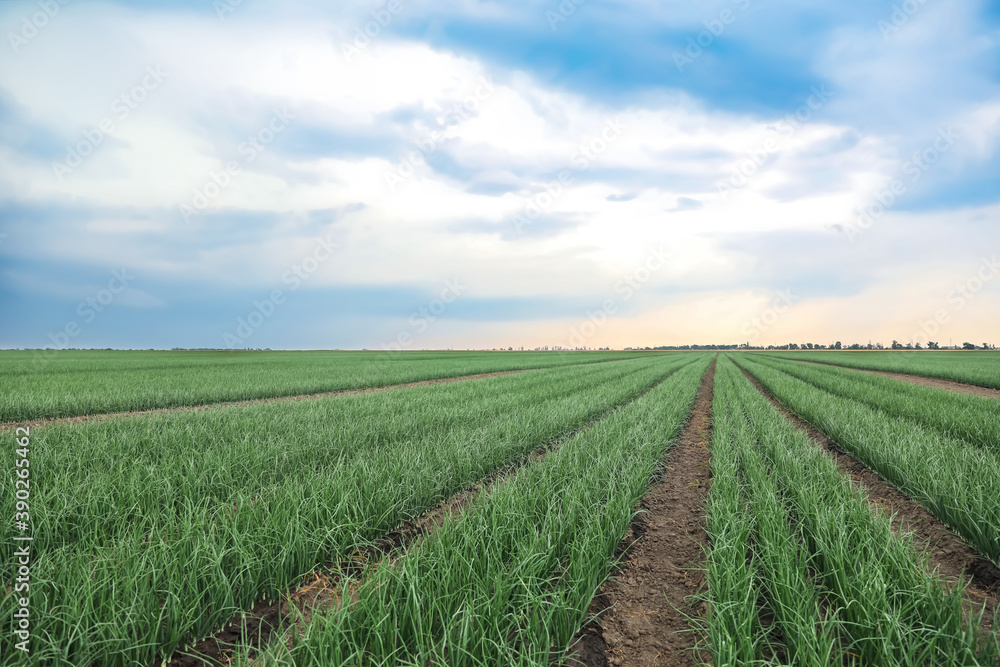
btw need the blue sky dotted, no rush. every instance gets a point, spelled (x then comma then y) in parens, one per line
(484, 174)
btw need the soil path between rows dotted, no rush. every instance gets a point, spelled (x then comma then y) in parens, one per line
(922, 380)
(953, 558)
(268, 620)
(253, 401)
(642, 611)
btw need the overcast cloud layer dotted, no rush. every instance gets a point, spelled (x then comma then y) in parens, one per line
(485, 174)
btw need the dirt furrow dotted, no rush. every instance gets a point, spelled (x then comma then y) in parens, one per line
(255, 401)
(953, 558)
(321, 593)
(642, 611)
(922, 380)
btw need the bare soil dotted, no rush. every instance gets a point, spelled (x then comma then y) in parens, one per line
(255, 401)
(642, 611)
(923, 381)
(948, 553)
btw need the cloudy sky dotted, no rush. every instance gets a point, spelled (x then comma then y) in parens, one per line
(464, 173)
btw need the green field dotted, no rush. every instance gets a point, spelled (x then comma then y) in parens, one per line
(36, 385)
(976, 367)
(152, 531)
(817, 547)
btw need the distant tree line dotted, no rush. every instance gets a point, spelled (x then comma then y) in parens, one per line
(896, 345)
(734, 346)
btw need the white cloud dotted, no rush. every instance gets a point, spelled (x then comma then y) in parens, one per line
(225, 78)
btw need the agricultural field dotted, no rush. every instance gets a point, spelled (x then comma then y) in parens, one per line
(675, 508)
(972, 367)
(468, 334)
(66, 383)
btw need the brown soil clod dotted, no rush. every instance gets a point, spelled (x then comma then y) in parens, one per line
(642, 613)
(922, 380)
(274, 399)
(948, 553)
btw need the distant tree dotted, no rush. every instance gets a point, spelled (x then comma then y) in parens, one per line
(918, 346)
(837, 345)
(986, 346)
(809, 345)
(968, 346)
(896, 345)
(931, 345)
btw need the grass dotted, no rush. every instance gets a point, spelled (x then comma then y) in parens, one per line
(735, 631)
(153, 530)
(509, 581)
(972, 367)
(34, 385)
(957, 482)
(974, 419)
(843, 587)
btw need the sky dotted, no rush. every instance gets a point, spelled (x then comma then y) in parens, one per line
(469, 174)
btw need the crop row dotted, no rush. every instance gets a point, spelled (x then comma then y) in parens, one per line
(792, 535)
(974, 419)
(510, 579)
(153, 530)
(42, 385)
(954, 480)
(978, 368)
